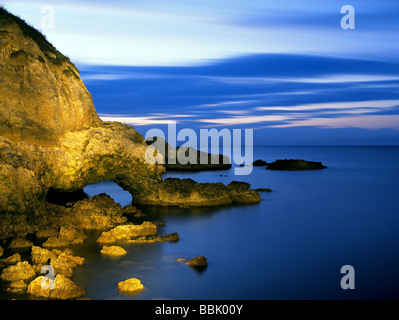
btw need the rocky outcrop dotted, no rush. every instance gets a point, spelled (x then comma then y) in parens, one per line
(20, 271)
(187, 192)
(11, 260)
(20, 244)
(18, 287)
(115, 251)
(41, 256)
(130, 286)
(259, 163)
(171, 237)
(191, 159)
(64, 225)
(63, 289)
(127, 232)
(20, 190)
(199, 262)
(295, 164)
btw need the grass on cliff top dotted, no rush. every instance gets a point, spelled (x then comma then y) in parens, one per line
(7, 18)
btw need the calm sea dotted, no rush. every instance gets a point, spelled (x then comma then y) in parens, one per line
(290, 246)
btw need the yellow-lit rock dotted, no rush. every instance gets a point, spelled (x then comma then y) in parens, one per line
(115, 251)
(41, 256)
(17, 287)
(127, 232)
(21, 271)
(130, 286)
(64, 288)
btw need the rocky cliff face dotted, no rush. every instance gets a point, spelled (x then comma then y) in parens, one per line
(42, 95)
(51, 136)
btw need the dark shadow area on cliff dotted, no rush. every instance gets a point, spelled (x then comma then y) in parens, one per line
(62, 198)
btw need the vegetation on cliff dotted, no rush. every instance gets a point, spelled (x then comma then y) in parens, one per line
(6, 18)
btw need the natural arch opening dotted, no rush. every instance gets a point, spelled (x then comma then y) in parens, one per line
(119, 195)
(62, 198)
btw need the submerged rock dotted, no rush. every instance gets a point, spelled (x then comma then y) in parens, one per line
(295, 164)
(263, 190)
(130, 286)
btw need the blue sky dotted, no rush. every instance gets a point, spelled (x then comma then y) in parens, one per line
(181, 32)
(283, 68)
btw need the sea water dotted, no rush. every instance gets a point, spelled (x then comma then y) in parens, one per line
(292, 245)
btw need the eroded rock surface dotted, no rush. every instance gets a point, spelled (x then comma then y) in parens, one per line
(198, 262)
(42, 94)
(187, 192)
(64, 288)
(115, 251)
(21, 271)
(127, 232)
(130, 286)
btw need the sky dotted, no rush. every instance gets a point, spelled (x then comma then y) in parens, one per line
(284, 68)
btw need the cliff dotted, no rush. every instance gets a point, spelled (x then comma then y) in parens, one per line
(42, 94)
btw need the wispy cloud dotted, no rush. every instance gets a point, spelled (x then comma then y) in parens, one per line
(310, 115)
(335, 78)
(375, 104)
(228, 103)
(238, 120)
(120, 76)
(142, 121)
(363, 122)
